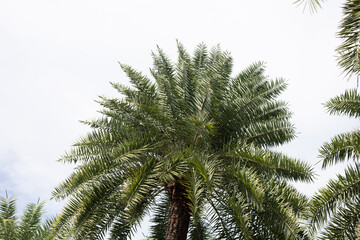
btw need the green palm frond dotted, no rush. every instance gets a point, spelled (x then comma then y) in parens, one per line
(344, 222)
(326, 200)
(312, 5)
(347, 103)
(101, 169)
(45, 231)
(8, 207)
(199, 230)
(160, 217)
(241, 106)
(140, 82)
(31, 220)
(331, 206)
(271, 163)
(340, 148)
(280, 219)
(29, 226)
(228, 217)
(247, 181)
(8, 226)
(285, 192)
(349, 49)
(195, 193)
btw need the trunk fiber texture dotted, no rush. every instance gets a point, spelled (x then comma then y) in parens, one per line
(179, 217)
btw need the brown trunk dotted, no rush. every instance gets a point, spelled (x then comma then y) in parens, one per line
(179, 217)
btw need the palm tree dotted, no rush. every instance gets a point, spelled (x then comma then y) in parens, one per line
(349, 50)
(29, 227)
(193, 148)
(336, 207)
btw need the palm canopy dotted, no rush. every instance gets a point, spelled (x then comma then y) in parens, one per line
(194, 135)
(335, 208)
(28, 227)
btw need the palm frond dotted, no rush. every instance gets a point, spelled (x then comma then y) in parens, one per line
(163, 72)
(45, 231)
(271, 163)
(340, 148)
(101, 169)
(31, 220)
(160, 217)
(280, 218)
(347, 103)
(229, 218)
(326, 200)
(8, 226)
(247, 182)
(349, 49)
(187, 81)
(142, 83)
(344, 222)
(200, 59)
(312, 5)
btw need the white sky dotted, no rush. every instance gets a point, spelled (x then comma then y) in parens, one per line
(56, 57)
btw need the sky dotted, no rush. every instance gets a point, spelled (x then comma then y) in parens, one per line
(57, 57)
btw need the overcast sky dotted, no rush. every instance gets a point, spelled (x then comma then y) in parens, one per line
(57, 57)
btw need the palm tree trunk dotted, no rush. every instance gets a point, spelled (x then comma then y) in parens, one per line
(179, 217)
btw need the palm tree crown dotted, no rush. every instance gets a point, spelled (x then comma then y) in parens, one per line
(29, 227)
(192, 148)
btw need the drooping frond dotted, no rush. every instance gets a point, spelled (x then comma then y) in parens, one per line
(285, 192)
(102, 169)
(344, 222)
(271, 163)
(340, 148)
(246, 181)
(199, 230)
(160, 217)
(229, 218)
(196, 190)
(338, 191)
(279, 217)
(113, 196)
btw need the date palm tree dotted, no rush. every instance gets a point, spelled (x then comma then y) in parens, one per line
(192, 148)
(29, 227)
(349, 50)
(336, 208)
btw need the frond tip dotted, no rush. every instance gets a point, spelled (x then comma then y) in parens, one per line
(312, 5)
